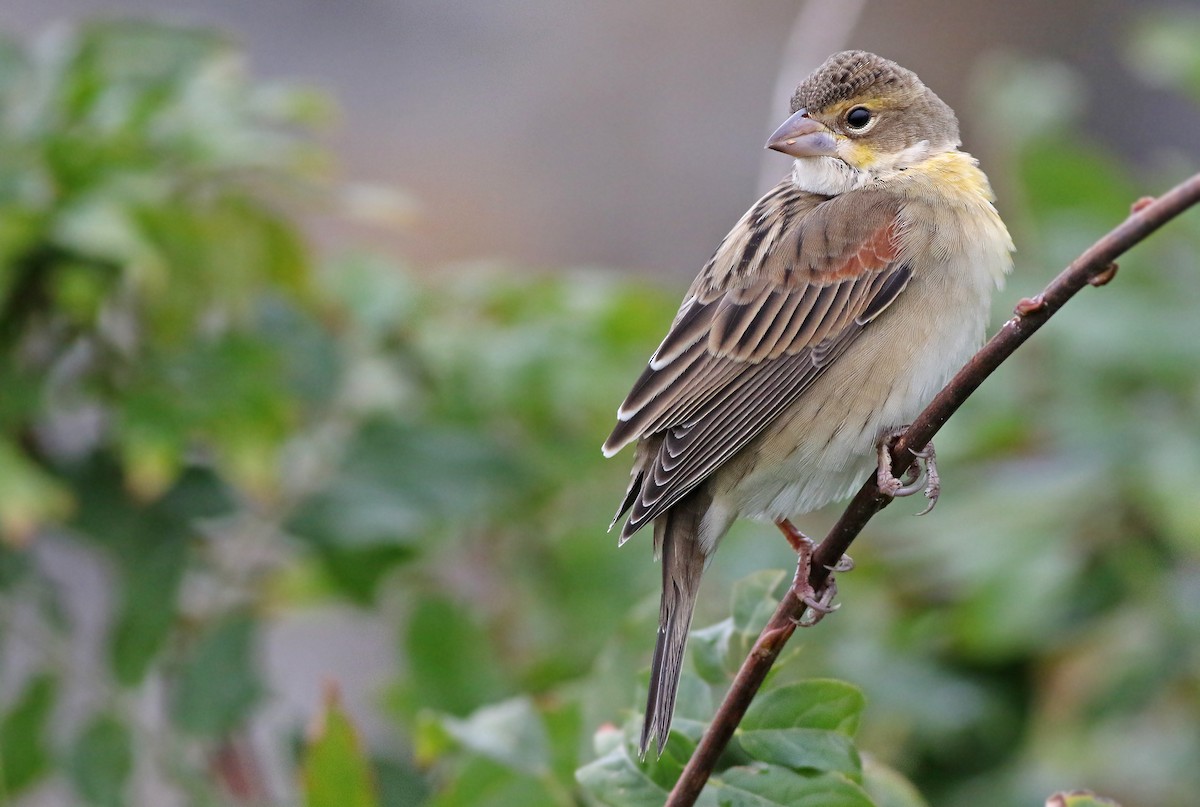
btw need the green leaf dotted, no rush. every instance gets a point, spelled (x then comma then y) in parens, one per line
(219, 685)
(666, 769)
(24, 757)
(887, 787)
(356, 573)
(511, 733)
(767, 785)
(755, 598)
(815, 704)
(150, 583)
(29, 497)
(693, 700)
(478, 781)
(398, 481)
(615, 779)
(101, 761)
(150, 545)
(711, 656)
(451, 665)
(150, 542)
(564, 727)
(802, 749)
(335, 772)
(400, 783)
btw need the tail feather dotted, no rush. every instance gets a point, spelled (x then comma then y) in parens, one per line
(676, 537)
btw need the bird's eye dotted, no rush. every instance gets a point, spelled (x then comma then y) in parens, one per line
(858, 118)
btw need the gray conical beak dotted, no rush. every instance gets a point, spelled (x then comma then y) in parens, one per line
(801, 136)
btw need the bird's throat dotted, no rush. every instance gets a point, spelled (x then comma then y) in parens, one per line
(828, 176)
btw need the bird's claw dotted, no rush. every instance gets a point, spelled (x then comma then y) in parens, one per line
(816, 605)
(805, 546)
(845, 564)
(922, 475)
(817, 608)
(933, 482)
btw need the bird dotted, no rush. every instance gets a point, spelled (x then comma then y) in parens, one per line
(827, 318)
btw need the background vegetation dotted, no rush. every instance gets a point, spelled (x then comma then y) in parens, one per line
(228, 426)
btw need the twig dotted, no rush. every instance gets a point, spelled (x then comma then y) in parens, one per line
(1094, 267)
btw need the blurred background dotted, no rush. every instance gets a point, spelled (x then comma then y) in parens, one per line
(315, 315)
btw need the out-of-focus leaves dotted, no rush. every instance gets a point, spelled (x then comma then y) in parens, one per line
(335, 770)
(563, 718)
(150, 544)
(28, 496)
(711, 654)
(129, 225)
(101, 761)
(23, 735)
(150, 547)
(1162, 49)
(693, 707)
(218, 686)
(755, 598)
(397, 481)
(510, 732)
(400, 784)
(449, 657)
(1027, 98)
(481, 782)
(1079, 798)
(231, 389)
(887, 788)
(1069, 189)
(356, 573)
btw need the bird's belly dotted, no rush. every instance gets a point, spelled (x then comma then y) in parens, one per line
(823, 447)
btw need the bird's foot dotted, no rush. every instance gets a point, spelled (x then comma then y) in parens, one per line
(817, 604)
(921, 475)
(800, 542)
(804, 546)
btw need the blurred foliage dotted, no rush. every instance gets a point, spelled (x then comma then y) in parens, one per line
(226, 429)
(336, 771)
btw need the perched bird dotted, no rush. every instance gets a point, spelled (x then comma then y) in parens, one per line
(824, 322)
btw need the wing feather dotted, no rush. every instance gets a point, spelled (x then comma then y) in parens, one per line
(759, 326)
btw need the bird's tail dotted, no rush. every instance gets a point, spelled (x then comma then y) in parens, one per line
(676, 536)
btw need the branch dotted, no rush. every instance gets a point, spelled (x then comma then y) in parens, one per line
(1094, 267)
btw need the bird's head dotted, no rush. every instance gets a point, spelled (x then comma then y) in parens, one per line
(860, 118)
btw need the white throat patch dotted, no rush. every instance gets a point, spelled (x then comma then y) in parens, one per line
(828, 176)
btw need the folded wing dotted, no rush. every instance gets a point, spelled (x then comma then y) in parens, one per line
(785, 295)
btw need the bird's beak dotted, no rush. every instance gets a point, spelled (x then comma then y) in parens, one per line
(801, 136)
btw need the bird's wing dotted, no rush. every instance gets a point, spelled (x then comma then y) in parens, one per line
(786, 293)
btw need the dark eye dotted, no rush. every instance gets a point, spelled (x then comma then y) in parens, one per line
(858, 118)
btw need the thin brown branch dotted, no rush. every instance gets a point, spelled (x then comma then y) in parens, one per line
(1096, 267)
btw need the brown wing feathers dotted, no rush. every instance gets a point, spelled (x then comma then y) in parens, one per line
(759, 325)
